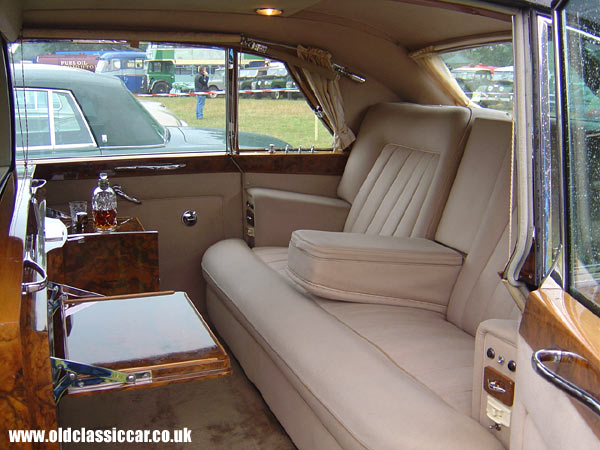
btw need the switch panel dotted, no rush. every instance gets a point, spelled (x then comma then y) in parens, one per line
(498, 412)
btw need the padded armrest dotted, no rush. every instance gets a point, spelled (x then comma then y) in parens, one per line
(277, 213)
(374, 269)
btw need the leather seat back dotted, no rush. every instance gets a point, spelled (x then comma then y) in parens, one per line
(475, 221)
(401, 168)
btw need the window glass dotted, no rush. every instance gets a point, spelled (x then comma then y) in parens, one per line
(158, 98)
(132, 100)
(485, 74)
(582, 76)
(70, 127)
(271, 104)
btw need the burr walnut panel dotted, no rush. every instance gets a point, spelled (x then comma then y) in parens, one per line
(554, 320)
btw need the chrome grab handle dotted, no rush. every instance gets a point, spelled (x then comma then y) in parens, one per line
(34, 286)
(542, 356)
(152, 167)
(119, 191)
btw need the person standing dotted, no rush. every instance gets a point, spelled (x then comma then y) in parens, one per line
(200, 85)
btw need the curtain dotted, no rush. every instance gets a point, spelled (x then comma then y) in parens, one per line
(433, 64)
(326, 92)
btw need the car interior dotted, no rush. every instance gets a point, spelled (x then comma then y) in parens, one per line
(391, 290)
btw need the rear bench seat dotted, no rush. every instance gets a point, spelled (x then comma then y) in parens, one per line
(368, 374)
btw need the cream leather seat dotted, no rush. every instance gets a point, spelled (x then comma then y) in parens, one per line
(341, 374)
(397, 178)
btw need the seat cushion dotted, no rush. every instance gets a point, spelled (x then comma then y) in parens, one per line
(275, 257)
(358, 388)
(421, 343)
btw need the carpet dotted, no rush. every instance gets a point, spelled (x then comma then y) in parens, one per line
(224, 413)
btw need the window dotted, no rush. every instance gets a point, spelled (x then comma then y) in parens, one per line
(485, 74)
(159, 98)
(581, 66)
(271, 103)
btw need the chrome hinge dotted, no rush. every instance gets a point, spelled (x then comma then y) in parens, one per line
(80, 375)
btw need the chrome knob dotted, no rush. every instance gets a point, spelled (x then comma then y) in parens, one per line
(189, 218)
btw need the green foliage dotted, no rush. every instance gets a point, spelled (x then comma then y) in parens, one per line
(498, 55)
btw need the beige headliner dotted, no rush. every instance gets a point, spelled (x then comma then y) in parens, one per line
(412, 24)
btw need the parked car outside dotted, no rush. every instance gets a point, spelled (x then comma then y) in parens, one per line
(216, 82)
(275, 78)
(495, 94)
(76, 113)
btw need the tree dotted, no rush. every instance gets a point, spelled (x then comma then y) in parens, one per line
(497, 55)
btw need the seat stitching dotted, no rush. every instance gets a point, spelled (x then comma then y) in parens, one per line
(368, 194)
(404, 163)
(403, 190)
(412, 196)
(431, 306)
(410, 199)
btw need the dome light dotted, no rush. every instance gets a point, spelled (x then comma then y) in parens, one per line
(269, 11)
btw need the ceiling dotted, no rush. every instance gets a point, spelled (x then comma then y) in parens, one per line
(412, 23)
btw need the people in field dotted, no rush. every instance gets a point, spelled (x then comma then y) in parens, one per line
(200, 85)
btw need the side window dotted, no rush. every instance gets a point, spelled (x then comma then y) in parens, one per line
(485, 74)
(158, 98)
(132, 102)
(271, 104)
(581, 66)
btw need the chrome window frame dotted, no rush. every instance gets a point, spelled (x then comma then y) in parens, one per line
(544, 188)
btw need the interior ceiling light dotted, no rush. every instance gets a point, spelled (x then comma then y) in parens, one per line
(269, 11)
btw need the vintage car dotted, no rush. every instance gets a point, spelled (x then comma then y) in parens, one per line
(414, 271)
(88, 111)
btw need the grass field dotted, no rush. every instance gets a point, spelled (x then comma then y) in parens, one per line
(289, 120)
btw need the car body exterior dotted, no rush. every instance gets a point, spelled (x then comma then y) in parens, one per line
(71, 112)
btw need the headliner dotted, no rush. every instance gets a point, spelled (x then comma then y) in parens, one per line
(412, 23)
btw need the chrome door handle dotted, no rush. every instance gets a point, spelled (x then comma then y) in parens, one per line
(152, 167)
(119, 191)
(34, 286)
(542, 356)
